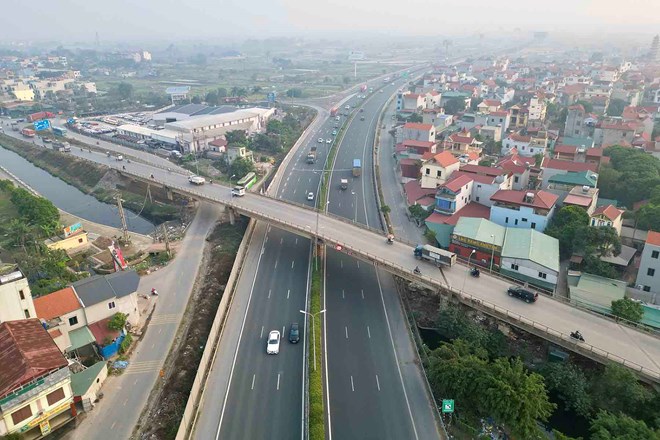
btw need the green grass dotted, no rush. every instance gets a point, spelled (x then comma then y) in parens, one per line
(316, 401)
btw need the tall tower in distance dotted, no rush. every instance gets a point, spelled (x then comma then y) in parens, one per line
(97, 41)
(654, 53)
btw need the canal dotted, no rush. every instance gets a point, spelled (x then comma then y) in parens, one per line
(69, 198)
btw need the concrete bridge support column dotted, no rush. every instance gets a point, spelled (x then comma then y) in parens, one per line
(232, 216)
(169, 193)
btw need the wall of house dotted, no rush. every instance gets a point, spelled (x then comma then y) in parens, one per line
(508, 144)
(519, 219)
(12, 307)
(649, 283)
(523, 180)
(71, 243)
(481, 192)
(431, 179)
(548, 173)
(79, 314)
(528, 271)
(479, 258)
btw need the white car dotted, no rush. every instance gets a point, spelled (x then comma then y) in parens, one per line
(273, 346)
(310, 196)
(328, 141)
(320, 140)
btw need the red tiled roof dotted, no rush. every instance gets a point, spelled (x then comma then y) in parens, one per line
(418, 126)
(595, 152)
(101, 331)
(609, 211)
(542, 199)
(566, 149)
(492, 102)
(460, 139)
(482, 170)
(411, 95)
(479, 178)
(457, 181)
(499, 113)
(574, 199)
(445, 159)
(220, 142)
(56, 304)
(414, 191)
(653, 238)
(519, 138)
(472, 209)
(567, 165)
(624, 127)
(26, 352)
(414, 143)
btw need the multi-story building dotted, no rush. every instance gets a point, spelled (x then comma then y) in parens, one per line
(608, 215)
(531, 257)
(519, 116)
(499, 118)
(537, 107)
(551, 167)
(15, 296)
(575, 126)
(418, 132)
(648, 277)
(438, 169)
(525, 145)
(35, 381)
(531, 209)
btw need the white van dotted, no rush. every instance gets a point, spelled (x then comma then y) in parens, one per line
(238, 191)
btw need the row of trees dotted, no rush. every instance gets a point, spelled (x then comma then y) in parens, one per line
(631, 176)
(37, 220)
(478, 371)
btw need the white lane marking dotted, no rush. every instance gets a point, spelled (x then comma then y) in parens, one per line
(339, 204)
(346, 331)
(261, 335)
(362, 290)
(276, 260)
(368, 332)
(294, 190)
(254, 376)
(396, 357)
(296, 241)
(269, 292)
(341, 263)
(352, 384)
(240, 336)
(288, 292)
(377, 383)
(278, 381)
(281, 240)
(358, 263)
(283, 331)
(343, 295)
(292, 263)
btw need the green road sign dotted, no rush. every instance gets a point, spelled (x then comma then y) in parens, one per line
(447, 406)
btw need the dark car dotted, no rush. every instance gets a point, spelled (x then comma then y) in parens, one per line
(524, 294)
(294, 333)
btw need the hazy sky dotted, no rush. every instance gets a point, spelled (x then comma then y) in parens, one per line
(120, 20)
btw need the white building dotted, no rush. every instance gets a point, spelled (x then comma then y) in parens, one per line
(531, 256)
(15, 296)
(648, 277)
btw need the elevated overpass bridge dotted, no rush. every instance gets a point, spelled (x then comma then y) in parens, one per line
(549, 318)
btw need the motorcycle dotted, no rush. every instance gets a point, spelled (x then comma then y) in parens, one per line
(475, 272)
(417, 271)
(577, 335)
(390, 239)
(154, 292)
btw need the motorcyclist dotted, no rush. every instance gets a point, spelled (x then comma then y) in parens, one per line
(417, 271)
(154, 291)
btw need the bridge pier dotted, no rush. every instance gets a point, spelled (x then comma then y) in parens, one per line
(169, 193)
(232, 216)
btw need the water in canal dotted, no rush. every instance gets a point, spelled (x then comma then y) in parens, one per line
(69, 198)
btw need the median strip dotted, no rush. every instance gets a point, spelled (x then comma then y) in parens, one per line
(316, 401)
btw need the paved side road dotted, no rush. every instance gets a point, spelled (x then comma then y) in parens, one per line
(125, 396)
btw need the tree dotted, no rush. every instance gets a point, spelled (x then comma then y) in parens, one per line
(236, 137)
(608, 426)
(538, 159)
(618, 390)
(474, 104)
(588, 107)
(241, 166)
(526, 400)
(222, 92)
(294, 93)
(415, 117)
(417, 212)
(196, 99)
(125, 90)
(212, 98)
(264, 142)
(385, 209)
(594, 265)
(604, 240)
(454, 106)
(616, 107)
(569, 226)
(628, 309)
(118, 321)
(630, 176)
(570, 384)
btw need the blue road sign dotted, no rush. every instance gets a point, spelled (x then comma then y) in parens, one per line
(43, 124)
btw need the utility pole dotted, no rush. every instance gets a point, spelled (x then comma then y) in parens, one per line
(167, 240)
(122, 216)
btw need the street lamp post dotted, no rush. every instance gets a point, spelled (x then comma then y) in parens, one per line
(468, 264)
(232, 176)
(312, 315)
(492, 253)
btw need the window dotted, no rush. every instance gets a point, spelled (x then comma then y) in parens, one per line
(73, 320)
(55, 396)
(524, 219)
(654, 254)
(111, 305)
(650, 272)
(516, 222)
(647, 288)
(27, 313)
(477, 198)
(428, 171)
(514, 266)
(515, 179)
(22, 414)
(80, 240)
(533, 225)
(478, 186)
(543, 275)
(439, 174)
(506, 220)
(22, 294)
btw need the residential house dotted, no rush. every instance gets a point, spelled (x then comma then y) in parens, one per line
(103, 296)
(418, 132)
(438, 169)
(519, 168)
(436, 118)
(469, 121)
(489, 106)
(412, 148)
(453, 195)
(566, 182)
(537, 107)
(583, 196)
(575, 124)
(15, 295)
(488, 181)
(412, 102)
(61, 313)
(523, 209)
(648, 277)
(479, 240)
(525, 145)
(409, 169)
(519, 116)
(493, 133)
(443, 224)
(608, 215)
(462, 143)
(580, 154)
(500, 118)
(73, 243)
(235, 152)
(531, 257)
(552, 167)
(35, 382)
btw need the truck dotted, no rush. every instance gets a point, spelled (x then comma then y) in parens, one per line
(28, 132)
(343, 184)
(196, 180)
(40, 115)
(333, 111)
(357, 167)
(434, 255)
(14, 126)
(311, 156)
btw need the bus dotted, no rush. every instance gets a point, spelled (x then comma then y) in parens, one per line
(247, 181)
(59, 131)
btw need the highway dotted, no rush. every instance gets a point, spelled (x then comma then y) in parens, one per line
(369, 395)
